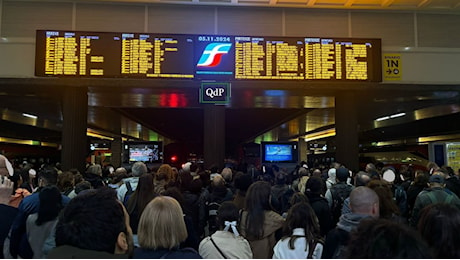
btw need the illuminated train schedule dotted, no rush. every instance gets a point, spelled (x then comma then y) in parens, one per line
(339, 59)
(85, 54)
(206, 57)
(269, 58)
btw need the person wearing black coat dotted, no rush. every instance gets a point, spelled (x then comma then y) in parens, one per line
(314, 190)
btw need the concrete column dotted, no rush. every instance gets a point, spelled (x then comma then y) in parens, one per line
(74, 140)
(303, 148)
(116, 148)
(214, 135)
(346, 127)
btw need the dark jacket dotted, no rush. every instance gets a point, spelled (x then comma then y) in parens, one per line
(70, 252)
(18, 241)
(323, 212)
(337, 239)
(185, 253)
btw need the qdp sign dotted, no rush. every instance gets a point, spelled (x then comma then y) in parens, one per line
(392, 66)
(215, 93)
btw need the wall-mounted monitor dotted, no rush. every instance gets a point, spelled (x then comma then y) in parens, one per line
(279, 152)
(143, 151)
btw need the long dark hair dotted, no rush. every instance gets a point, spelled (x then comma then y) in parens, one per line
(301, 215)
(143, 194)
(257, 202)
(439, 225)
(50, 204)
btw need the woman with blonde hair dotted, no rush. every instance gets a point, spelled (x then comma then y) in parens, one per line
(161, 230)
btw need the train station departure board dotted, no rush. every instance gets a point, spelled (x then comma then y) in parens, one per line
(201, 57)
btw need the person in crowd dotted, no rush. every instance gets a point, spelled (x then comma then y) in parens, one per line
(194, 203)
(66, 182)
(130, 184)
(161, 230)
(337, 194)
(259, 222)
(452, 183)
(7, 213)
(297, 197)
(93, 225)
(242, 183)
(419, 184)
(278, 192)
(219, 193)
(227, 174)
(406, 173)
(362, 178)
(117, 177)
(399, 194)
(314, 191)
(439, 225)
(28, 176)
(383, 239)
(301, 234)
(303, 178)
(163, 177)
(432, 166)
(93, 174)
(387, 205)
(432, 195)
(136, 203)
(41, 224)
(19, 245)
(226, 243)
(192, 240)
(331, 178)
(364, 203)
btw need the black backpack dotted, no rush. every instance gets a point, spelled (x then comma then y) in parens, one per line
(339, 192)
(128, 193)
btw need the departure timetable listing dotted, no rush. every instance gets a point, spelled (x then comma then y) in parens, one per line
(269, 58)
(206, 57)
(85, 54)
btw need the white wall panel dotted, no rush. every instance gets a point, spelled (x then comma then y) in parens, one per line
(305, 22)
(110, 18)
(181, 19)
(22, 18)
(254, 21)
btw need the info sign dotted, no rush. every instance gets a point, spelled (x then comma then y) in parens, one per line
(215, 93)
(392, 66)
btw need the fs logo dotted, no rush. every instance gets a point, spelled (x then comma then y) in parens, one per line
(212, 54)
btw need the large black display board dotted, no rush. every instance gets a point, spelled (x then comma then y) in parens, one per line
(203, 57)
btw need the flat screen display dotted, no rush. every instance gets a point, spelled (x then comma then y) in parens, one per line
(281, 152)
(148, 152)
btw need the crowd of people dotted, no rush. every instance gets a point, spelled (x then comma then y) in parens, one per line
(235, 212)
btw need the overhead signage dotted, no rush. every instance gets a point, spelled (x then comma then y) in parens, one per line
(215, 93)
(392, 64)
(206, 57)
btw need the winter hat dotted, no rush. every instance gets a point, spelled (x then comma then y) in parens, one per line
(314, 185)
(437, 178)
(342, 174)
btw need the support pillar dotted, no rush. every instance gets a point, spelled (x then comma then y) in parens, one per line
(116, 147)
(346, 127)
(74, 140)
(303, 147)
(214, 136)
